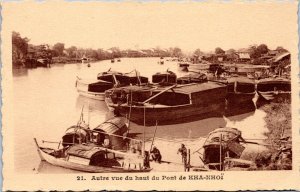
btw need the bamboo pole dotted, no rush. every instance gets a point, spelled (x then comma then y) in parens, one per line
(153, 136)
(144, 130)
(221, 152)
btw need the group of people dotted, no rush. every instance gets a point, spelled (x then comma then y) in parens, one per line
(156, 155)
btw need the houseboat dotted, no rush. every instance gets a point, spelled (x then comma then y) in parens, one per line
(274, 89)
(240, 90)
(84, 59)
(95, 89)
(167, 104)
(88, 157)
(192, 78)
(221, 146)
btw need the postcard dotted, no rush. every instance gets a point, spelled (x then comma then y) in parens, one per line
(150, 95)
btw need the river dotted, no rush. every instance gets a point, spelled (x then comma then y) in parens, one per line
(46, 103)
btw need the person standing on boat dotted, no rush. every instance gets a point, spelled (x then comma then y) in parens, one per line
(155, 154)
(183, 152)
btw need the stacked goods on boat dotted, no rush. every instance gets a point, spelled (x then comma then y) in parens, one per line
(274, 89)
(167, 103)
(192, 78)
(240, 90)
(95, 89)
(221, 147)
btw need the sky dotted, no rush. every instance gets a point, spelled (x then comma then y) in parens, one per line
(147, 25)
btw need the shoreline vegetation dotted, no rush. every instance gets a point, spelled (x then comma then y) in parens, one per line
(28, 55)
(278, 153)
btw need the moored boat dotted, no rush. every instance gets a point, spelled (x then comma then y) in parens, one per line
(240, 90)
(92, 158)
(95, 89)
(221, 145)
(192, 78)
(167, 104)
(274, 89)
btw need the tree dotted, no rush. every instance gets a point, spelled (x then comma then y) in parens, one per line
(281, 49)
(262, 49)
(19, 48)
(72, 51)
(218, 50)
(59, 48)
(177, 52)
(198, 52)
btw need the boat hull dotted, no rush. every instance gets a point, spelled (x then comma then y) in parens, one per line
(61, 162)
(92, 95)
(170, 115)
(237, 98)
(275, 96)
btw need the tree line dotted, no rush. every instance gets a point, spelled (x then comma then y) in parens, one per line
(24, 53)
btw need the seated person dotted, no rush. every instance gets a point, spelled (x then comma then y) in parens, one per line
(155, 154)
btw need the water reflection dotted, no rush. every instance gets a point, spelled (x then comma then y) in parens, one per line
(95, 112)
(18, 72)
(240, 112)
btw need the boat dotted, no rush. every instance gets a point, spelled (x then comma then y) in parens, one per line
(112, 60)
(111, 133)
(118, 60)
(183, 66)
(240, 90)
(221, 146)
(275, 89)
(167, 104)
(113, 129)
(95, 89)
(192, 78)
(84, 59)
(164, 78)
(92, 158)
(102, 149)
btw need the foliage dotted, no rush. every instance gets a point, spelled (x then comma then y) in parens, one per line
(19, 48)
(218, 50)
(58, 49)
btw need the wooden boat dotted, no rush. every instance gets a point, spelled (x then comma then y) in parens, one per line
(192, 78)
(95, 89)
(113, 130)
(164, 78)
(167, 104)
(220, 145)
(92, 158)
(84, 59)
(240, 90)
(112, 60)
(274, 89)
(183, 66)
(118, 60)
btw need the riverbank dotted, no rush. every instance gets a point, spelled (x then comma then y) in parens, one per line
(278, 155)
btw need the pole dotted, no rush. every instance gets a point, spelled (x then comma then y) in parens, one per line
(189, 160)
(144, 130)
(153, 136)
(221, 152)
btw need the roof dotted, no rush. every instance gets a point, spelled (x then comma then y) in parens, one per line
(197, 87)
(92, 81)
(274, 80)
(281, 56)
(227, 133)
(111, 126)
(240, 79)
(84, 151)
